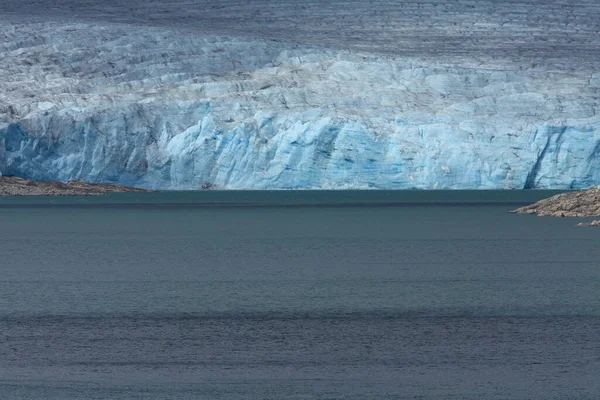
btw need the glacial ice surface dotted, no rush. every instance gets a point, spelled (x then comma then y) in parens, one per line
(166, 108)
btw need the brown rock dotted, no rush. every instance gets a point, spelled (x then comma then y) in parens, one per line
(584, 203)
(14, 186)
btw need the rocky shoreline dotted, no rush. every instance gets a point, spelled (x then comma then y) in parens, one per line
(14, 186)
(584, 203)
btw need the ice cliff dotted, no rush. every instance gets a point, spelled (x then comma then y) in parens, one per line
(167, 108)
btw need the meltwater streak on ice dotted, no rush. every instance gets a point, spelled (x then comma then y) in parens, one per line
(187, 302)
(390, 95)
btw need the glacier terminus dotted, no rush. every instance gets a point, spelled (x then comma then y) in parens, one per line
(303, 94)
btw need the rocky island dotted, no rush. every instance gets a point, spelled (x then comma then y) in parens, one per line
(14, 186)
(584, 203)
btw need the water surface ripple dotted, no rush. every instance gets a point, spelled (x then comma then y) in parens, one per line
(403, 295)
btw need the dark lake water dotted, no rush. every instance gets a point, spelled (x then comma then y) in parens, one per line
(296, 295)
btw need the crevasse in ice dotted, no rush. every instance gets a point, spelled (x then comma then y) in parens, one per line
(158, 109)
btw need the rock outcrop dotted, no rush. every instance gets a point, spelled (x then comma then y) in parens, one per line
(593, 223)
(13, 186)
(585, 203)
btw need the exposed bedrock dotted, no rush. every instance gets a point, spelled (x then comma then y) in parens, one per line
(581, 203)
(14, 186)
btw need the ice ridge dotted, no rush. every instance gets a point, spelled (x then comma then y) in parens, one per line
(159, 109)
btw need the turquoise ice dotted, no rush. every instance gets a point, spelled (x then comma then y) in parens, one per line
(169, 109)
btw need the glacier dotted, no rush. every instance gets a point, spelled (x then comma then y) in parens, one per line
(169, 107)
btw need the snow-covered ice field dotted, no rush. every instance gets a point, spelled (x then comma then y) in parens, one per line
(302, 94)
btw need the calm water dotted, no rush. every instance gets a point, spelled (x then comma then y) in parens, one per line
(287, 295)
